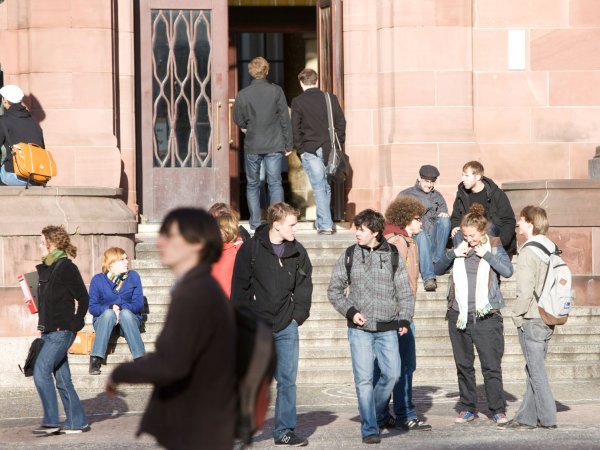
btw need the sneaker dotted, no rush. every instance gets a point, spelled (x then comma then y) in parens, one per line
(372, 439)
(464, 417)
(46, 430)
(75, 430)
(500, 418)
(430, 285)
(389, 423)
(291, 440)
(415, 425)
(327, 232)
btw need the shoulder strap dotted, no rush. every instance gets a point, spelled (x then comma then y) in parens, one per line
(330, 118)
(395, 259)
(255, 245)
(540, 246)
(348, 260)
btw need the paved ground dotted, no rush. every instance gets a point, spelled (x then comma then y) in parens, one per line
(328, 417)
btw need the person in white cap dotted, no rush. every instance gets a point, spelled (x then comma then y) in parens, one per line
(16, 125)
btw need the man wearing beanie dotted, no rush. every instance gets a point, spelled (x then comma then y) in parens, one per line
(16, 125)
(432, 241)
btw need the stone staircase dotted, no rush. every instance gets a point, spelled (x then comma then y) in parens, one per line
(324, 351)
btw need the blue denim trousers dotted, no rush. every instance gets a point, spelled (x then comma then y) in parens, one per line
(538, 404)
(431, 246)
(287, 349)
(129, 328)
(365, 347)
(315, 170)
(10, 179)
(52, 360)
(272, 162)
(404, 408)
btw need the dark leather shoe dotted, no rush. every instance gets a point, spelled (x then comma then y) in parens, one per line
(95, 364)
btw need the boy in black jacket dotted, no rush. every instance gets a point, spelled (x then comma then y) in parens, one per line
(272, 276)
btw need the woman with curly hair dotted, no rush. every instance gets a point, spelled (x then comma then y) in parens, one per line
(474, 318)
(403, 221)
(63, 302)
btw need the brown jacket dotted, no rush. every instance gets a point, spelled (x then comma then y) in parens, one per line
(407, 247)
(192, 369)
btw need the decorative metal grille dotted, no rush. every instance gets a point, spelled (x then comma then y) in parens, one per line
(181, 88)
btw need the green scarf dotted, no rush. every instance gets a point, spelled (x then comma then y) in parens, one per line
(117, 279)
(54, 256)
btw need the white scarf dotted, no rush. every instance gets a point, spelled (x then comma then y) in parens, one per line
(461, 287)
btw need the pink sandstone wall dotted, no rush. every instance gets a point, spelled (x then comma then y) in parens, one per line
(427, 81)
(60, 53)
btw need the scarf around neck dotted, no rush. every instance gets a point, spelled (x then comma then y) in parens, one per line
(117, 279)
(461, 287)
(53, 256)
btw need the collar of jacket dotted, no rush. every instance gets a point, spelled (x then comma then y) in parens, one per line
(488, 184)
(383, 245)
(262, 81)
(390, 228)
(17, 110)
(262, 234)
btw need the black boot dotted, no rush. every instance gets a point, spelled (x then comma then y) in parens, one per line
(95, 363)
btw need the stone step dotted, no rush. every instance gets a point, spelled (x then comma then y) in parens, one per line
(441, 373)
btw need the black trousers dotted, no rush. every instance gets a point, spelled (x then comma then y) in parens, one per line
(488, 337)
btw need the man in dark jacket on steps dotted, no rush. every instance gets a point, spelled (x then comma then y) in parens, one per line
(273, 277)
(261, 111)
(16, 125)
(476, 188)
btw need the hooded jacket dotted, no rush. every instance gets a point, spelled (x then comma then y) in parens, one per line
(498, 210)
(18, 125)
(278, 290)
(261, 109)
(386, 303)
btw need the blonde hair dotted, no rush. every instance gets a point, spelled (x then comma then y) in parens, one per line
(229, 224)
(110, 256)
(279, 212)
(58, 236)
(258, 68)
(537, 217)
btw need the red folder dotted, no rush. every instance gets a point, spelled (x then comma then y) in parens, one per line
(27, 295)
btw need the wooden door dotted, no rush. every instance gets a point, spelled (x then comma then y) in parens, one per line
(183, 84)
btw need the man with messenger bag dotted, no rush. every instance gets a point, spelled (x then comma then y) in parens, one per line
(16, 125)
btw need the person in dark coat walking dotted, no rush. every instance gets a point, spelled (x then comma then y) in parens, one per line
(16, 125)
(59, 320)
(477, 188)
(193, 367)
(261, 111)
(312, 140)
(272, 276)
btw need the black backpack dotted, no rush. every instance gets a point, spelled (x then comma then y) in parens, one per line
(350, 256)
(255, 367)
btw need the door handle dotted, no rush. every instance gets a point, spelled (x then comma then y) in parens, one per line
(219, 145)
(230, 114)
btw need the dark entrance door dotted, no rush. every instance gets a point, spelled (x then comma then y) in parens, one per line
(183, 83)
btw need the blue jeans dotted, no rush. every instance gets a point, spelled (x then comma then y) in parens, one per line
(538, 404)
(10, 179)
(272, 162)
(365, 347)
(315, 170)
(404, 408)
(287, 349)
(432, 246)
(52, 360)
(129, 327)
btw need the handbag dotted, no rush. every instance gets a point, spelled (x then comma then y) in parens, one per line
(34, 351)
(337, 163)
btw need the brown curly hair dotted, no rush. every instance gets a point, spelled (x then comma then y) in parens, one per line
(403, 210)
(475, 218)
(57, 235)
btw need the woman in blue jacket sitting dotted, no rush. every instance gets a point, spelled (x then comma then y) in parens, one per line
(116, 299)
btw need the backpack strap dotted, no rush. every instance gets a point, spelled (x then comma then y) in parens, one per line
(255, 245)
(348, 260)
(547, 252)
(350, 256)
